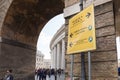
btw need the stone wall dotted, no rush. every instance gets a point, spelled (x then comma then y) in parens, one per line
(25, 19)
(104, 59)
(21, 60)
(4, 5)
(21, 21)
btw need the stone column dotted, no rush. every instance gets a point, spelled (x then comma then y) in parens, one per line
(63, 55)
(52, 60)
(58, 55)
(55, 57)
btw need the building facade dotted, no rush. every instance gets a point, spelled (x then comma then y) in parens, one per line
(57, 46)
(39, 60)
(47, 63)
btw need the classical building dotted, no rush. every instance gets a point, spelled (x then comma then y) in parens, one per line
(39, 60)
(47, 63)
(57, 46)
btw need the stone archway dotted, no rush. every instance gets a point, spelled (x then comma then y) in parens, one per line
(20, 25)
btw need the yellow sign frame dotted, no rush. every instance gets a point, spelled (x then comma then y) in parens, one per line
(81, 32)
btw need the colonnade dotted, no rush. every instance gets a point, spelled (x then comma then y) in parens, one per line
(58, 55)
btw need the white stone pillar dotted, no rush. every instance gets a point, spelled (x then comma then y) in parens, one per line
(52, 59)
(63, 55)
(58, 56)
(55, 57)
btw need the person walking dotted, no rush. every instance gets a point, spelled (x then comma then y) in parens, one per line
(9, 75)
(39, 74)
(47, 74)
(36, 76)
(52, 74)
(44, 74)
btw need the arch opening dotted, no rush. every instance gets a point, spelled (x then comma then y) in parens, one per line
(22, 24)
(43, 44)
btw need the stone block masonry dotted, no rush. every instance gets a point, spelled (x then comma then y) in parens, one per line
(104, 59)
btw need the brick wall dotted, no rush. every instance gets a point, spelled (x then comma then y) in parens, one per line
(104, 59)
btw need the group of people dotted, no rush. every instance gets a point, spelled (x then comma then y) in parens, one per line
(40, 74)
(48, 74)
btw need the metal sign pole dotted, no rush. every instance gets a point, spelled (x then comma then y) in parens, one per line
(82, 66)
(71, 73)
(82, 54)
(89, 66)
(89, 61)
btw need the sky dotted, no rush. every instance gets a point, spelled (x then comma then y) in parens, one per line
(47, 33)
(118, 47)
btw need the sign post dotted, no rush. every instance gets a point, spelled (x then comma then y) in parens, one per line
(82, 66)
(71, 74)
(81, 35)
(89, 66)
(82, 54)
(81, 32)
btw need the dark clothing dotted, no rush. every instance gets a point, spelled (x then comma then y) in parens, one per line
(40, 74)
(119, 71)
(52, 72)
(9, 77)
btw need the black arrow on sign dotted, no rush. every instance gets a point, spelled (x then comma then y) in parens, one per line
(71, 35)
(88, 15)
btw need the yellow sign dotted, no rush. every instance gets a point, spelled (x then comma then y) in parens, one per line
(81, 32)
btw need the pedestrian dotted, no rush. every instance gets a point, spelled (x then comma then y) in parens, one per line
(55, 74)
(9, 75)
(44, 74)
(52, 74)
(118, 71)
(39, 73)
(36, 76)
(47, 74)
(59, 72)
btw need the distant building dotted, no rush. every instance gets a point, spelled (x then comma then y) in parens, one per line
(47, 63)
(41, 62)
(39, 59)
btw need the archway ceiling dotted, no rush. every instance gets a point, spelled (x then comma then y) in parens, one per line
(26, 18)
